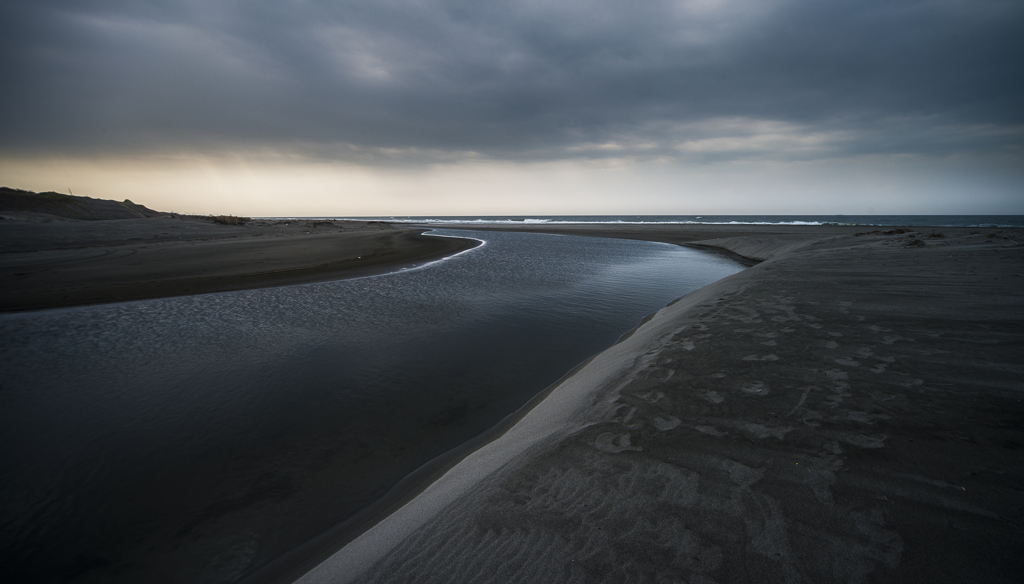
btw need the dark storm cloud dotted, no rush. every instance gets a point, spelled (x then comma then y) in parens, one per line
(430, 79)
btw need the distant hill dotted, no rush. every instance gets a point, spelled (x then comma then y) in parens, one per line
(19, 204)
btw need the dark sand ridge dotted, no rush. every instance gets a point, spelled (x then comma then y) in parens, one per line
(68, 263)
(850, 410)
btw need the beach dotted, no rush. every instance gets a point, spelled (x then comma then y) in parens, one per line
(846, 410)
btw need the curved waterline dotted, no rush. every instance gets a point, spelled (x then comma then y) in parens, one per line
(215, 433)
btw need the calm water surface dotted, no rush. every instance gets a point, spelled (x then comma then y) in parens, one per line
(194, 439)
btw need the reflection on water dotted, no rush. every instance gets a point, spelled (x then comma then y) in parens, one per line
(193, 439)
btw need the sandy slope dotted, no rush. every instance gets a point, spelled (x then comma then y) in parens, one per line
(849, 410)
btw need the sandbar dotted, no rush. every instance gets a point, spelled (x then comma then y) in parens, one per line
(72, 263)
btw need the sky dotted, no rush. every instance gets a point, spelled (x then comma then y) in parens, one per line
(459, 107)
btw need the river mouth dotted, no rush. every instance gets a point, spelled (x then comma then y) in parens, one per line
(195, 439)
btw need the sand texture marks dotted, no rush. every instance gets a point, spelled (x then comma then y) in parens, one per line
(851, 410)
(72, 263)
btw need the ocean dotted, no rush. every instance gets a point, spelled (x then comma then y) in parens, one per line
(966, 221)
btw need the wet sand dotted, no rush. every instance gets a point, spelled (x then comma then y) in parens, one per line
(847, 410)
(70, 263)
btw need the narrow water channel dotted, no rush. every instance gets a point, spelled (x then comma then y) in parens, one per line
(194, 439)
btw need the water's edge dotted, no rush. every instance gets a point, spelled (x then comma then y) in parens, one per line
(300, 560)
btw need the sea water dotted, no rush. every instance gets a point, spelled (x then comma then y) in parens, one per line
(194, 439)
(964, 221)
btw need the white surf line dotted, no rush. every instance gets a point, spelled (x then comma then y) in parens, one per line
(483, 243)
(342, 279)
(404, 270)
(553, 417)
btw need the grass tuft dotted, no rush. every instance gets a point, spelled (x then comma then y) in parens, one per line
(230, 220)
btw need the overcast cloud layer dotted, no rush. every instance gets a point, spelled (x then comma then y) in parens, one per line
(436, 80)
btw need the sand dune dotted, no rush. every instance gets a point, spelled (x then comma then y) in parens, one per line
(17, 204)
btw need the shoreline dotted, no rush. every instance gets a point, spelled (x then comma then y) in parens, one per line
(484, 458)
(431, 475)
(562, 415)
(98, 262)
(294, 565)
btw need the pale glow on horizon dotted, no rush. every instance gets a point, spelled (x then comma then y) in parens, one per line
(261, 186)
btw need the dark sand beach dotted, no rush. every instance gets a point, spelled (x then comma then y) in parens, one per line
(847, 410)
